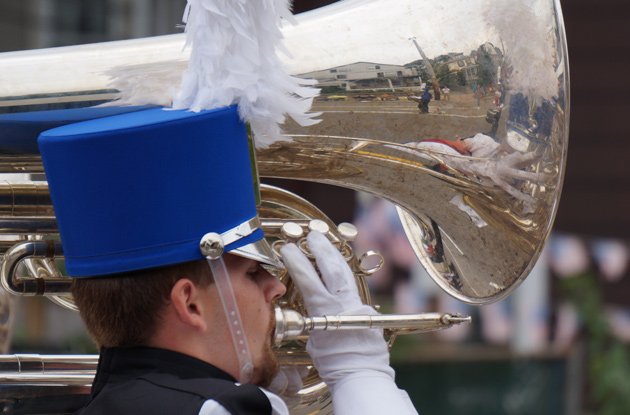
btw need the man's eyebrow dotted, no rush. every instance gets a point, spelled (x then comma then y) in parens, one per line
(251, 263)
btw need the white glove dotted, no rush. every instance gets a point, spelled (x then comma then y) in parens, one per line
(339, 294)
(288, 381)
(286, 385)
(348, 360)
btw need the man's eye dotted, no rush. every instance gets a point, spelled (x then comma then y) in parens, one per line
(253, 272)
(276, 272)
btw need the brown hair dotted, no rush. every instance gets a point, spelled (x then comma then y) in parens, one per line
(125, 309)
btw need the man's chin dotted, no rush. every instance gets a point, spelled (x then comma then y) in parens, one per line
(267, 369)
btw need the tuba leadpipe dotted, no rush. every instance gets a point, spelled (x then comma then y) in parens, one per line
(291, 325)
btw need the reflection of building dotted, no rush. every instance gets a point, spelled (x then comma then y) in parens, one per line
(479, 67)
(491, 51)
(489, 59)
(366, 75)
(465, 64)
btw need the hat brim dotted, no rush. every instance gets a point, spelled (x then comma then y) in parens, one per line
(259, 251)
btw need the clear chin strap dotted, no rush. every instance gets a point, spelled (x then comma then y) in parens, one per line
(224, 287)
(233, 316)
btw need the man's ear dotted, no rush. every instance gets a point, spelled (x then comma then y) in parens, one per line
(186, 299)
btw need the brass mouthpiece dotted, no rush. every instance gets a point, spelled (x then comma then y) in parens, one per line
(291, 325)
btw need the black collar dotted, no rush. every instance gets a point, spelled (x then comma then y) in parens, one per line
(124, 363)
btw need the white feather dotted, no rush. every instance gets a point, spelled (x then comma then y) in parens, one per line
(234, 60)
(154, 83)
(526, 29)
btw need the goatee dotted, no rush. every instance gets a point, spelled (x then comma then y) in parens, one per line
(269, 367)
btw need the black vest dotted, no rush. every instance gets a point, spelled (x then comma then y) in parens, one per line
(144, 380)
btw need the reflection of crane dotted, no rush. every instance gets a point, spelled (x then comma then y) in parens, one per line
(427, 64)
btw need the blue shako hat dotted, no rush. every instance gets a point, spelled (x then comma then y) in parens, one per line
(140, 190)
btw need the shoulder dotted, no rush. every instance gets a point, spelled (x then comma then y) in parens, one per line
(211, 407)
(233, 397)
(278, 406)
(160, 393)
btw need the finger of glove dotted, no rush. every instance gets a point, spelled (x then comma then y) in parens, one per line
(333, 267)
(316, 297)
(288, 381)
(279, 384)
(337, 354)
(294, 378)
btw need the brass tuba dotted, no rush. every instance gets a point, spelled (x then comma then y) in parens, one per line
(476, 178)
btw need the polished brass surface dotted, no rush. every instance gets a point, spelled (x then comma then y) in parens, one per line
(455, 208)
(33, 364)
(477, 219)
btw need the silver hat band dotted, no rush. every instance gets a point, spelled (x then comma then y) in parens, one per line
(212, 245)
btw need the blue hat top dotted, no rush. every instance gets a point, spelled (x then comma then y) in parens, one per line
(139, 190)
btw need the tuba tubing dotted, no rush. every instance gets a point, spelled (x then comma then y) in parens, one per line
(32, 286)
(290, 325)
(455, 209)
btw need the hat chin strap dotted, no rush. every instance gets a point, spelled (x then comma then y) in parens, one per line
(233, 316)
(212, 247)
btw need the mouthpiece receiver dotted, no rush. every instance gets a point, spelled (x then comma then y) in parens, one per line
(291, 325)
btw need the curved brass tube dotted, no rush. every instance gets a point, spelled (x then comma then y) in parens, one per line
(37, 363)
(31, 286)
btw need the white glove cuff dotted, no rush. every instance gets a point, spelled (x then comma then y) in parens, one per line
(338, 354)
(370, 393)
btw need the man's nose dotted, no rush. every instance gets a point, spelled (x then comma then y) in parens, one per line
(275, 288)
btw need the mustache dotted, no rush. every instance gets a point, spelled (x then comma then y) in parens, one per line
(271, 331)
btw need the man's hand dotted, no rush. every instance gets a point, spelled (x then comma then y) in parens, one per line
(336, 354)
(353, 363)
(288, 381)
(340, 292)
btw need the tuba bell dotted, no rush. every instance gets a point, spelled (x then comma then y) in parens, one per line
(476, 179)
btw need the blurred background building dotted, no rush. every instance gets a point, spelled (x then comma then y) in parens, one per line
(559, 345)
(29, 24)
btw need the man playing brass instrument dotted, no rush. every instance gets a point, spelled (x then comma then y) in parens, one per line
(158, 221)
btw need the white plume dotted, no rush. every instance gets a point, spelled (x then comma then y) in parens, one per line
(154, 83)
(234, 45)
(527, 31)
